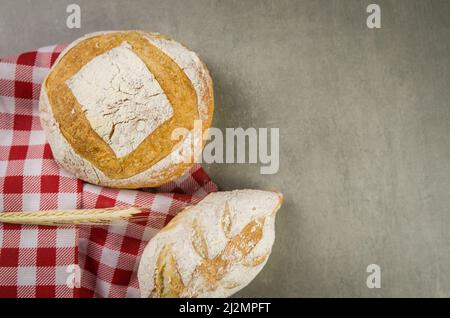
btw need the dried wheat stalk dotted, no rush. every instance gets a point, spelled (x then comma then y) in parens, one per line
(72, 217)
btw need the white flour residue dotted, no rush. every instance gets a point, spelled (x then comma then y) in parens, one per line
(243, 207)
(121, 98)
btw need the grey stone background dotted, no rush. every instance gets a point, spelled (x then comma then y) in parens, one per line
(364, 120)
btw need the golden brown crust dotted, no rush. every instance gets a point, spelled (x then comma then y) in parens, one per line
(212, 249)
(133, 170)
(76, 128)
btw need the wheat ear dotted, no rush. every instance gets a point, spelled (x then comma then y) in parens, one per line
(70, 217)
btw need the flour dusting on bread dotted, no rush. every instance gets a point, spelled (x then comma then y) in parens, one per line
(212, 249)
(123, 132)
(121, 98)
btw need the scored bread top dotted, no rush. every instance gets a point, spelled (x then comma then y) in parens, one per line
(103, 146)
(212, 249)
(121, 99)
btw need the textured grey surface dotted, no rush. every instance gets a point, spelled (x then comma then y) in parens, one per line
(364, 120)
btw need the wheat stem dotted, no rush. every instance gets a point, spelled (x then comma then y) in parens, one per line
(70, 217)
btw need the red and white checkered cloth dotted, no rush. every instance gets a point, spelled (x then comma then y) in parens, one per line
(39, 261)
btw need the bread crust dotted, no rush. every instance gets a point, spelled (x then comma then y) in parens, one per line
(213, 249)
(176, 163)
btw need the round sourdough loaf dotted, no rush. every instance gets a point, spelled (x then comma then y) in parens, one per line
(119, 108)
(212, 249)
